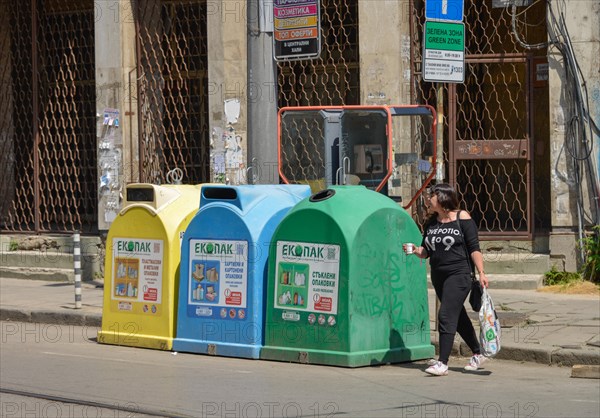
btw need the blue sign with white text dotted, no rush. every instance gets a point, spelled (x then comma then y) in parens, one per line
(451, 10)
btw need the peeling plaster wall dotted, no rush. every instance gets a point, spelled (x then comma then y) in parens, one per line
(384, 54)
(385, 71)
(227, 72)
(226, 147)
(594, 91)
(115, 58)
(583, 24)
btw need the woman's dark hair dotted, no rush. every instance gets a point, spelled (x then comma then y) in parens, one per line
(447, 196)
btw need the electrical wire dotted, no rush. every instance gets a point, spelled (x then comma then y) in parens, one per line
(513, 19)
(579, 135)
(525, 9)
(580, 127)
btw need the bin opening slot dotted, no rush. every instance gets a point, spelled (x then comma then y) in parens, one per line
(140, 194)
(322, 195)
(220, 193)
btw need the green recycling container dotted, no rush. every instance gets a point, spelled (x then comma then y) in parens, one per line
(340, 289)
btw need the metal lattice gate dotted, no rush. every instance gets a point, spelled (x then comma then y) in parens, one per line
(173, 89)
(47, 116)
(488, 119)
(333, 78)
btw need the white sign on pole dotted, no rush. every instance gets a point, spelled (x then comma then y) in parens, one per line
(444, 52)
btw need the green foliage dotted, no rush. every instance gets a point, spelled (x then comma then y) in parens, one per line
(13, 245)
(590, 269)
(554, 277)
(591, 246)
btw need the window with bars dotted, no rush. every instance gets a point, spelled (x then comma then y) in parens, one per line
(491, 110)
(48, 116)
(333, 78)
(173, 90)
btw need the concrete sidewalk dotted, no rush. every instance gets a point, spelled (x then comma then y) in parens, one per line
(536, 327)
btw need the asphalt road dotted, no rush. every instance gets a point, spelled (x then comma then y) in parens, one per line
(62, 371)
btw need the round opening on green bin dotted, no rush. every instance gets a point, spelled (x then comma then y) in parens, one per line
(322, 195)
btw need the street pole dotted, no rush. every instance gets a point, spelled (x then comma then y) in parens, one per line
(439, 174)
(262, 96)
(77, 268)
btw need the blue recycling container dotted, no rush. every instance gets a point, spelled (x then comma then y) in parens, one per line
(224, 268)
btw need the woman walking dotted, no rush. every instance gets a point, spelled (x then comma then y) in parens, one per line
(444, 245)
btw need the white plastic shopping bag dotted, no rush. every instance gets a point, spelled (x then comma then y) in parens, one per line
(489, 327)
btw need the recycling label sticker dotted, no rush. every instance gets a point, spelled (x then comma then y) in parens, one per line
(307, 276)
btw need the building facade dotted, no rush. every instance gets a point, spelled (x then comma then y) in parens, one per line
(98, 94)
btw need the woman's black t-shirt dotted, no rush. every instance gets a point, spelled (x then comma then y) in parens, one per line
(444, 245)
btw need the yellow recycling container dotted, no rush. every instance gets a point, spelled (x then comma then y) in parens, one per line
(143, 251)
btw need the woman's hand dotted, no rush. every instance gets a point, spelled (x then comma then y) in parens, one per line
(477, 259)
(418, 251)
(484, 280)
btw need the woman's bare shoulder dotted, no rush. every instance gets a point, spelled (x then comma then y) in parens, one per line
(463, 214)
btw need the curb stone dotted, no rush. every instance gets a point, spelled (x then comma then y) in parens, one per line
(586, 372)
(571, 357)
(548, 355)
(51, 317)
(16, 315)
(519, 352)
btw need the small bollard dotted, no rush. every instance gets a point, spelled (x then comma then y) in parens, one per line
(77, 267)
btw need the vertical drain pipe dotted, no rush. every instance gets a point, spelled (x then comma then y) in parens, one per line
(77, 267)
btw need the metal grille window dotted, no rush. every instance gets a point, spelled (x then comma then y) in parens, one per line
(494, 183)
(48, 126)
(173, 90)
(487, 121)
(332, 79)
(302, 149)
